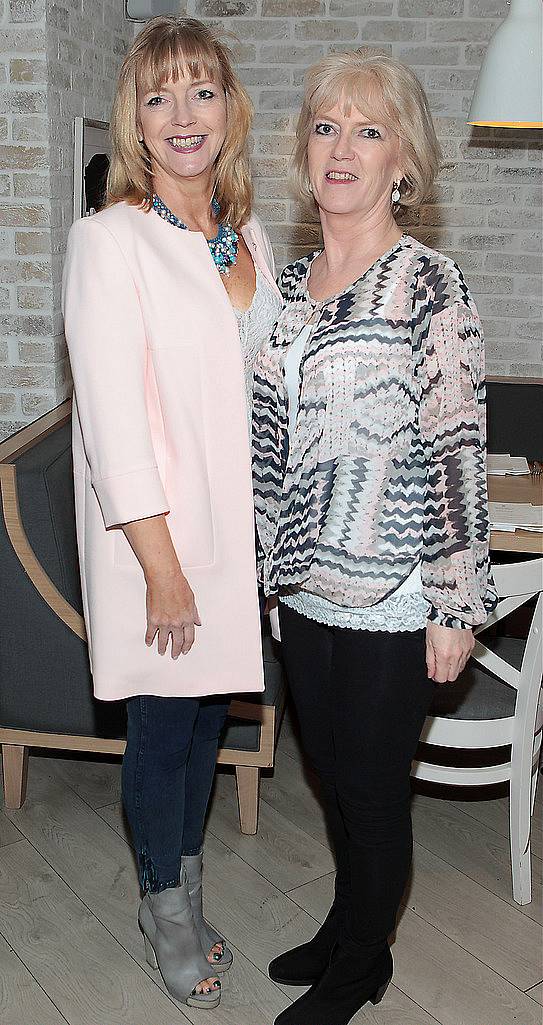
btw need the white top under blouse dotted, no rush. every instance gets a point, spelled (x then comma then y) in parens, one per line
(255, 327)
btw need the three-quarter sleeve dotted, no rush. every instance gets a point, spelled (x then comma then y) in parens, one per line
(456, 576)
(108, 354)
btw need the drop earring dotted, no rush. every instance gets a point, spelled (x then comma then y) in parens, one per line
(396, 194)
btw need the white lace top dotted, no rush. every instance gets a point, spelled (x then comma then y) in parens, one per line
(406, 609)
(255, 327)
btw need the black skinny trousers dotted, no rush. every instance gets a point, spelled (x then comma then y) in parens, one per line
(361, 699)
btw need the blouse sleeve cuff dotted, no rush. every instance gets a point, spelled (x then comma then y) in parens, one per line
(444, 619)
(131, 496)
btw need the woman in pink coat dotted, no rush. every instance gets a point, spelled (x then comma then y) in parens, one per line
(168, 294)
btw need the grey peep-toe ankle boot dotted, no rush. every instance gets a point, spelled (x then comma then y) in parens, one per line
(172, 944)
(192, 864)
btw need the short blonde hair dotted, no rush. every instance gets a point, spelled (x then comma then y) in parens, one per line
(384, 90)
(165, 49)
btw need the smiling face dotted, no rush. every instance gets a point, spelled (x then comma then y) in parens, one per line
(183, 125)
(352, 161)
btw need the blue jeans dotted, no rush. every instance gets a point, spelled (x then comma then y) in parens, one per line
(167, 775)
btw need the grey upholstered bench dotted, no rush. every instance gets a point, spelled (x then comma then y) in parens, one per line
(45, 683)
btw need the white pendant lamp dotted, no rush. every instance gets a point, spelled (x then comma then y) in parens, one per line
(509, 90)
(143, 10)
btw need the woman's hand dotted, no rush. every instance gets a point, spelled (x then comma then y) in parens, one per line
(171, 611)
(447, 652)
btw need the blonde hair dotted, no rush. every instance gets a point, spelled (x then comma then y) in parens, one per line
(165, 49)
(384, 89)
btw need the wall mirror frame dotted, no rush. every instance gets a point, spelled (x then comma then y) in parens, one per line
(92, 149)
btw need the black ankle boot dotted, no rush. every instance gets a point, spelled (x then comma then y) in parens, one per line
(304, 965)
(341, 991)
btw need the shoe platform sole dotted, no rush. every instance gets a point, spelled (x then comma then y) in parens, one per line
(194, 1002)
(293, 982)
(218, 967)
(191, 1001)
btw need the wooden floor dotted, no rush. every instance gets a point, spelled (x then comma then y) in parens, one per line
(70, 949)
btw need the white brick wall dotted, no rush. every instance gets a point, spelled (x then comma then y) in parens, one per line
(59, 58)
(86, 42)
(27, 365)
(486, 210)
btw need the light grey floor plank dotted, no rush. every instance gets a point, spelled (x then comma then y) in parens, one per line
(113, 815)
(95, 861)
(492, 930)
(536, 992)
(248, 909)
(280, 851)
(97, 780)
(461, 882)
(454, 986)
(88, 855)
(495, 813)
(315, 897)
(8, 832)
(436, 973)
(291, 792)
(86, 973)
(22, 1000)
(91, 858)
(474, 849)
(395, 1009)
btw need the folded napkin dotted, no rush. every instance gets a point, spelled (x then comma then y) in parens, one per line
(500, 465)
(515, 516)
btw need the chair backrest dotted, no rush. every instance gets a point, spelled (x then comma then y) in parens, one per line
(514, 411)
(518, 578)
(517, 584)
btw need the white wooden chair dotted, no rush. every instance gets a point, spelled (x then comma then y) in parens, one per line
(497, 702)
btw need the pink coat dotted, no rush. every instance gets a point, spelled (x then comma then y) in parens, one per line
(160, 426)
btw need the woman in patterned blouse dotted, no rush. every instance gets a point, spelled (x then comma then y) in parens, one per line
(369, 468)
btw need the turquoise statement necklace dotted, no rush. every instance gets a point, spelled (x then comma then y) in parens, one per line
(223, 248)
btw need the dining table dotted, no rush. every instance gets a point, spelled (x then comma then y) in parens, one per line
(521, 488)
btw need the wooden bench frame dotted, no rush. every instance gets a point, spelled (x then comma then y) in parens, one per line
(15, 743)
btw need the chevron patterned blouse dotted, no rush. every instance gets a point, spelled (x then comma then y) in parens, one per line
(386, 464)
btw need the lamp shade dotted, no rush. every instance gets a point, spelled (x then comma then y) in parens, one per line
(143, 10)
(509, 90)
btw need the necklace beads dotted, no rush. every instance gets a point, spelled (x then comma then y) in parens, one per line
(223, 248)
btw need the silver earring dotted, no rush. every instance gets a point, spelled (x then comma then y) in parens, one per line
(396, 194)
